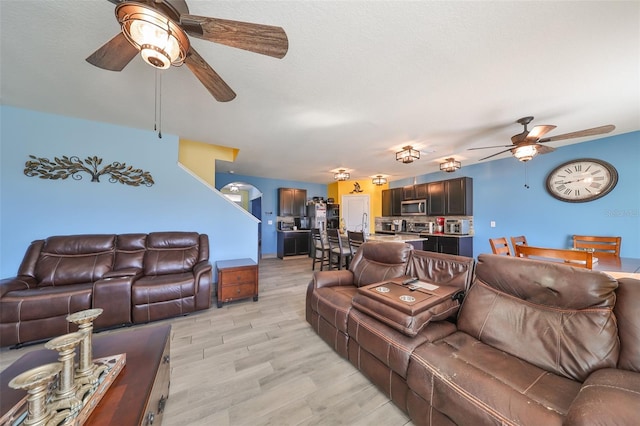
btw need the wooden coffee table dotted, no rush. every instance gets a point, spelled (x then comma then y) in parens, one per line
(139, 393)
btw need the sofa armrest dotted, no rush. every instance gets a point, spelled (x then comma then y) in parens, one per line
(608, 396)
(127, 272)
(200, 269)
(113, 296)
(16, 283)
(340, 277)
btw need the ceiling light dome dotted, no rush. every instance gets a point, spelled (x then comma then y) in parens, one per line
(160, 41)
(525, 153)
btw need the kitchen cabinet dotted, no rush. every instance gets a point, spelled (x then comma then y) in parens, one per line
(461, 246)
(292, 202)
(292, 243)
(453, 197)
(391, 201)
(408, 192)
(422, 191)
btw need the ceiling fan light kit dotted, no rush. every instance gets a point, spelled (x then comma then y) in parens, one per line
(160, 41)
(526, 145)
(450, 165)
(379, 180)
(407, 154)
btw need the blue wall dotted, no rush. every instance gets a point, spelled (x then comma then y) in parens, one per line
(33, 208)
(499, 195)
(269, 189)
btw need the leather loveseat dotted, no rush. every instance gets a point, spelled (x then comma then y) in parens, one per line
(134, 278)
(533, 342)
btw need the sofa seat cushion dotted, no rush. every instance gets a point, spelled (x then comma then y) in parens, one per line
(333, 304)
(607, 394)
(388, 345)
(473, 383)
(45, 302)
(161, 288)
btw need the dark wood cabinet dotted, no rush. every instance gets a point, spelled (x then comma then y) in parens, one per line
(422, 191)
(436, 199)
(461, 246)
(409, 192)
(237, 279)
(453, 197)
(292, 202)
(391, 201)
(292, 243)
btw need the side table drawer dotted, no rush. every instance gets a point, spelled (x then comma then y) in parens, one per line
(240, 291)
(242, 276)
(160, 391)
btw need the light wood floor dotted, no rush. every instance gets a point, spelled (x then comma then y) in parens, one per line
(260, 363)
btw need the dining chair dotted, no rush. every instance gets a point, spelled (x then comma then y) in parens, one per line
(338, 255)
(320, 251)
(577, 258)
(607, 246)
(356, 239)
(500, 246)
(519, 240)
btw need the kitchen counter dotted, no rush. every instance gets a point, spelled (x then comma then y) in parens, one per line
(398, 238)
(287, 231)
(422, 235)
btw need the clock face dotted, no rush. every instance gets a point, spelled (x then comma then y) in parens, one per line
(578, 181)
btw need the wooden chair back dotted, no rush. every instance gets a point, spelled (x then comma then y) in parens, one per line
(338, 255)
(607, 246)
(577, 258)
(356, 239)
(517, 241)
(320, 251)
(500, 246)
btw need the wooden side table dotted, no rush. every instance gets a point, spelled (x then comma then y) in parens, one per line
(237, 279)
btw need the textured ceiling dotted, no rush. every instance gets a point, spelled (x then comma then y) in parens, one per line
(360, 80)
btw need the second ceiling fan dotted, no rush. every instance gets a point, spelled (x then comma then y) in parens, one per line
(529, 143)
(158, 29)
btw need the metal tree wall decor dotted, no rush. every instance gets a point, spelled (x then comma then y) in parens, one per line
(62, 168)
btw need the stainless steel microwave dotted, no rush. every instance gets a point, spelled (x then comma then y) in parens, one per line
(413, 208)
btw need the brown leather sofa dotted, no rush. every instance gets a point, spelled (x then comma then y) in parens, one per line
(533, 342)
(134, 278)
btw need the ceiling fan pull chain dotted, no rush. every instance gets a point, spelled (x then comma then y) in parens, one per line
(157, 112)
(526, 176)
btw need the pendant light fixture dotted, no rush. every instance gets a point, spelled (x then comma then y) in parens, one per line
(408, 154)
(160, 41)
(341, 175)
(525, 153)
(379, 180)
(450, 165)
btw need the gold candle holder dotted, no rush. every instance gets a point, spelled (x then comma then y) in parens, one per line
(36, 382)
(65, 395)
(87, 371)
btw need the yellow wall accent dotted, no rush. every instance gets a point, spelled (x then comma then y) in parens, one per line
(200, 158)
(336, 190)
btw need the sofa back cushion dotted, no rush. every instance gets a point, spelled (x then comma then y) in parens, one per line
(130, 250)
(439, 268)
(378, 261)
(74, 259)
(628, 315)
(171, 252)
(554, 316)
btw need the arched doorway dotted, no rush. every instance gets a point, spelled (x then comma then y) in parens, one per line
(249, 198)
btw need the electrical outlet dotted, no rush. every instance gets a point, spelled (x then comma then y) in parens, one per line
(269, 222)
(493, 223)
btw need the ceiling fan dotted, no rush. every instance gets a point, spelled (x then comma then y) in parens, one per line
(158, 30)
(528, 144)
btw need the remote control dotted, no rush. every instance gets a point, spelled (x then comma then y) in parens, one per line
(409, 280)
(413, 287)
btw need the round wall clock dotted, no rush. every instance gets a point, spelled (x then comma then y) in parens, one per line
(582, 180)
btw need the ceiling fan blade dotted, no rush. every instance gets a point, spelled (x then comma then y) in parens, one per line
(485, 147)
(208, 77)
(497, 153)
(581, 133)
(264, 39)
(520, 137)
(544, 149)
(539, 131)
(114, 55)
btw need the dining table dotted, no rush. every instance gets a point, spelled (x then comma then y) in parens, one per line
(618, 267)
